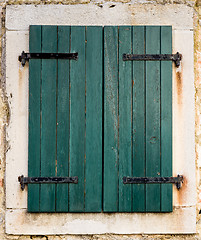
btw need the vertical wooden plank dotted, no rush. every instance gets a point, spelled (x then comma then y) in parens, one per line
(125, 108)
(63, 118)
(153, 119)
(166, 119)
(111, 164)
(94, 68)
(77, 120)
(48, 127)
(34, 117)
(138, 119)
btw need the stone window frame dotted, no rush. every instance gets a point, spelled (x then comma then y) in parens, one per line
(183, 217)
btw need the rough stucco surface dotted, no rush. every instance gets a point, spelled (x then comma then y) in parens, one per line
(197, 69)
(4, 120)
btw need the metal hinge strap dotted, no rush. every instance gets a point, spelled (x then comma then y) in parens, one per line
(26, 56)
(149, 180)
(40, 180)
(154, 57)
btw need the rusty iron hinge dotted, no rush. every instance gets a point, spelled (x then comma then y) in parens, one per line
(40, 180)
(176, 58)
(26, 56)
(150, 180)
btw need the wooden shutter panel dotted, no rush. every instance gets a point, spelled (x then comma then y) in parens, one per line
(48, 118)
(166, 119)
(34, 118)
(110, 201)
(137, 119)
(65, 119)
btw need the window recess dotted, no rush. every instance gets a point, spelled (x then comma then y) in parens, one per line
(102, 118)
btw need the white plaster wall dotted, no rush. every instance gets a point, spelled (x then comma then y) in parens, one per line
(182, 220)
(178, 16)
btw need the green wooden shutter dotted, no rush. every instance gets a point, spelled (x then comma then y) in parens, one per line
(137, 119)
(34, 118)
(65, 119)
(70, 100)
